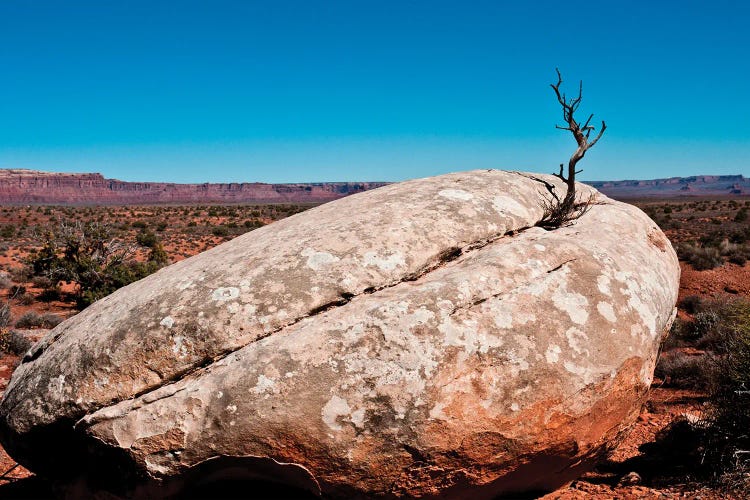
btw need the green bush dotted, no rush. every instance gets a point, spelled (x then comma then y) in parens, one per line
(88, 255)
(146, 239)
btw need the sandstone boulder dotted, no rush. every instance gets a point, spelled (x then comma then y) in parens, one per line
(420, 339)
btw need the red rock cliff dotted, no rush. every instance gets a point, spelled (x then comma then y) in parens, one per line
(19, 186)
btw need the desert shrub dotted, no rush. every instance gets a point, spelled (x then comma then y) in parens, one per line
(5, 281)
(737, 257)
(49, 294)
(34, 320)
(146, 239)
(29, 320)
(729, 416)
(158, 255)
(88, 255)
(700, 258)
(681, 334)
(20, 274)
(160, 227)
(192, 223)
(43, 282)
(220, 231)
(683, 370)
(7, 231)
(25, 299)
(139, 224)
(716, 444)
(741, 215)
(741, 236)
(691, 304)
(5, 315)
(253, 224)
(14, 342)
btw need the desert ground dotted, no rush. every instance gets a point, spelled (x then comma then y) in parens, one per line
(710, 235)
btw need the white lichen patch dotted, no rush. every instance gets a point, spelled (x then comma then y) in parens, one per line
(606, 310)
(57, 385)
(223, 294)
(264, 384)
(335, 407)
(574, 304)
(358, 418)
(388, 263)
(602, 282)
(553, 353)
(318, 260)
(577, 340)
(231, 409)
(167, 321)
(503, 319)
(456, 194)
(581, 371)
(178, 346)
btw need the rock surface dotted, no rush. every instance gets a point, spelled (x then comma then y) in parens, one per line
(421, 339)
(18, 186)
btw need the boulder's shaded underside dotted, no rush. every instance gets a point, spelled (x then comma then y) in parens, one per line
(421, 339)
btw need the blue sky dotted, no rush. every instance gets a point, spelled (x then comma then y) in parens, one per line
(282, 91)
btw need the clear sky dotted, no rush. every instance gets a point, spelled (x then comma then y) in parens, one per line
(282, 91)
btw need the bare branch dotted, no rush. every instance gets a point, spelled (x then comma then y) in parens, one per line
(601, 131)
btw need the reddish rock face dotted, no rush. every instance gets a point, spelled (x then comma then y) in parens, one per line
(419, 340)
(19, 186)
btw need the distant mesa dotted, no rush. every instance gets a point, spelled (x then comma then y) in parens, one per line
(697, 185)
(30, 187)
(21, 186)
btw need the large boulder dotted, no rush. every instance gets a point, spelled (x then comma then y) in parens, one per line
(420, 339)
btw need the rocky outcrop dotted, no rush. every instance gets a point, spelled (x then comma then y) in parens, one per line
(19, 186)
(422, 339)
